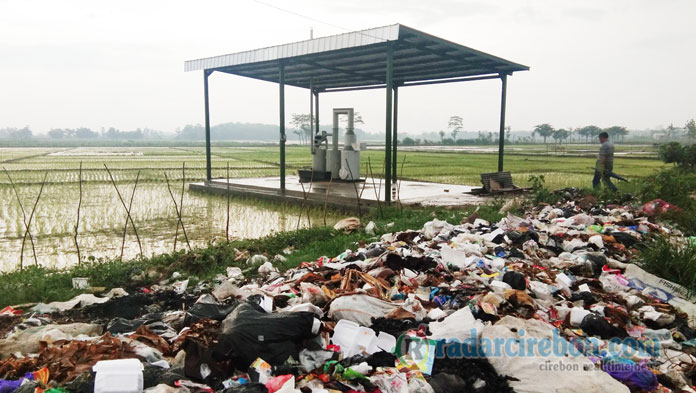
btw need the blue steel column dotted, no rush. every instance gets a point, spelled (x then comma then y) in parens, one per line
(387, 142)
(281, 83)
(501, 141)
(208, 166)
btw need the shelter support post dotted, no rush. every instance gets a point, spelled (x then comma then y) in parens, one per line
(208, 166)
(310, 137)
(281, 84)
(395, 139)
(388, 141)
(501, 138)
(316, 114)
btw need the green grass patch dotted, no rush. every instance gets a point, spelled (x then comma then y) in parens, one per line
(674, 262)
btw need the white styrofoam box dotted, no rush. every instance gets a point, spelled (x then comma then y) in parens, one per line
(118, 376)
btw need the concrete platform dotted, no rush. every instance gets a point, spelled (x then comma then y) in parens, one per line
(341, 195)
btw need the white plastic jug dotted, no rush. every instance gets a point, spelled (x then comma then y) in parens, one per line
(118, 376)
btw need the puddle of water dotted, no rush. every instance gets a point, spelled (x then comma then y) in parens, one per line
(103, 217)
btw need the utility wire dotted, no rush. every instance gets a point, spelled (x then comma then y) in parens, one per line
(316, 20)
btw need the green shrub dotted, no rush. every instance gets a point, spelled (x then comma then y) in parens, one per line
(676, 153)
(677, 186)
(674, 262)
(541, 194)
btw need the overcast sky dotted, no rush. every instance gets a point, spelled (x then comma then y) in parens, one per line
(120, 63)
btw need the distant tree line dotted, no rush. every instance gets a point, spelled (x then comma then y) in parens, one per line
(299, 125)
(111, 133)
(15, 133)
(83, 133)
(229, 131)
(484, 138)
(544, 131)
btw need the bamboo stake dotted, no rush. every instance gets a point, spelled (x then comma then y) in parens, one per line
(77, 222)
(311, 183)
(181, 201)
(36, 261)
(357, 194)
(130, 206)
(178, 213)
(176, 233)
(398, 186)
(304, 199)
(326, 200)
(362, 190)
(374, 187)
(183, 175)
(24, 219)
(128, 215)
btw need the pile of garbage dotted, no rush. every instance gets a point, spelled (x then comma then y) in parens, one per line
(547, 302)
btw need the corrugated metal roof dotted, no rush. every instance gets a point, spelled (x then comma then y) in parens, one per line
(358, 59)
(316, 45)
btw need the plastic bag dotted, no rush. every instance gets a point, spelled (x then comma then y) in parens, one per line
(658, 206)
(515, 279)
(281, 383)
(419, 385)
(436, 227)
(217, 312)
(460, 325)
(249, 333)
(636, 376)
(227, 289)
(395, 383)
(311, 360)
(313, 294)
(359, 308)
(348, 225)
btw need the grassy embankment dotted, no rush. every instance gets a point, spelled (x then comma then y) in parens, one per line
(41, 284)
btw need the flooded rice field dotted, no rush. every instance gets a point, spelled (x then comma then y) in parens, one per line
(102, 214)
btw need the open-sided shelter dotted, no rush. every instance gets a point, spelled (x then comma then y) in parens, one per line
(388, 57)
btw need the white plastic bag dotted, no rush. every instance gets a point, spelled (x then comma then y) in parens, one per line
(460, 326)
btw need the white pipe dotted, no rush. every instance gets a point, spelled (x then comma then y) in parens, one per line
(349, 129)
(334, 133)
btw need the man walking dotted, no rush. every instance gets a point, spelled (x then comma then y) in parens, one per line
(605, 163)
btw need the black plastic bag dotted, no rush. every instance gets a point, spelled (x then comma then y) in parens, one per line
(249, 334)
(626, 239)
(120, 325)
(515, 280)
(214, 311)
(595, 325)
(247, 388)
